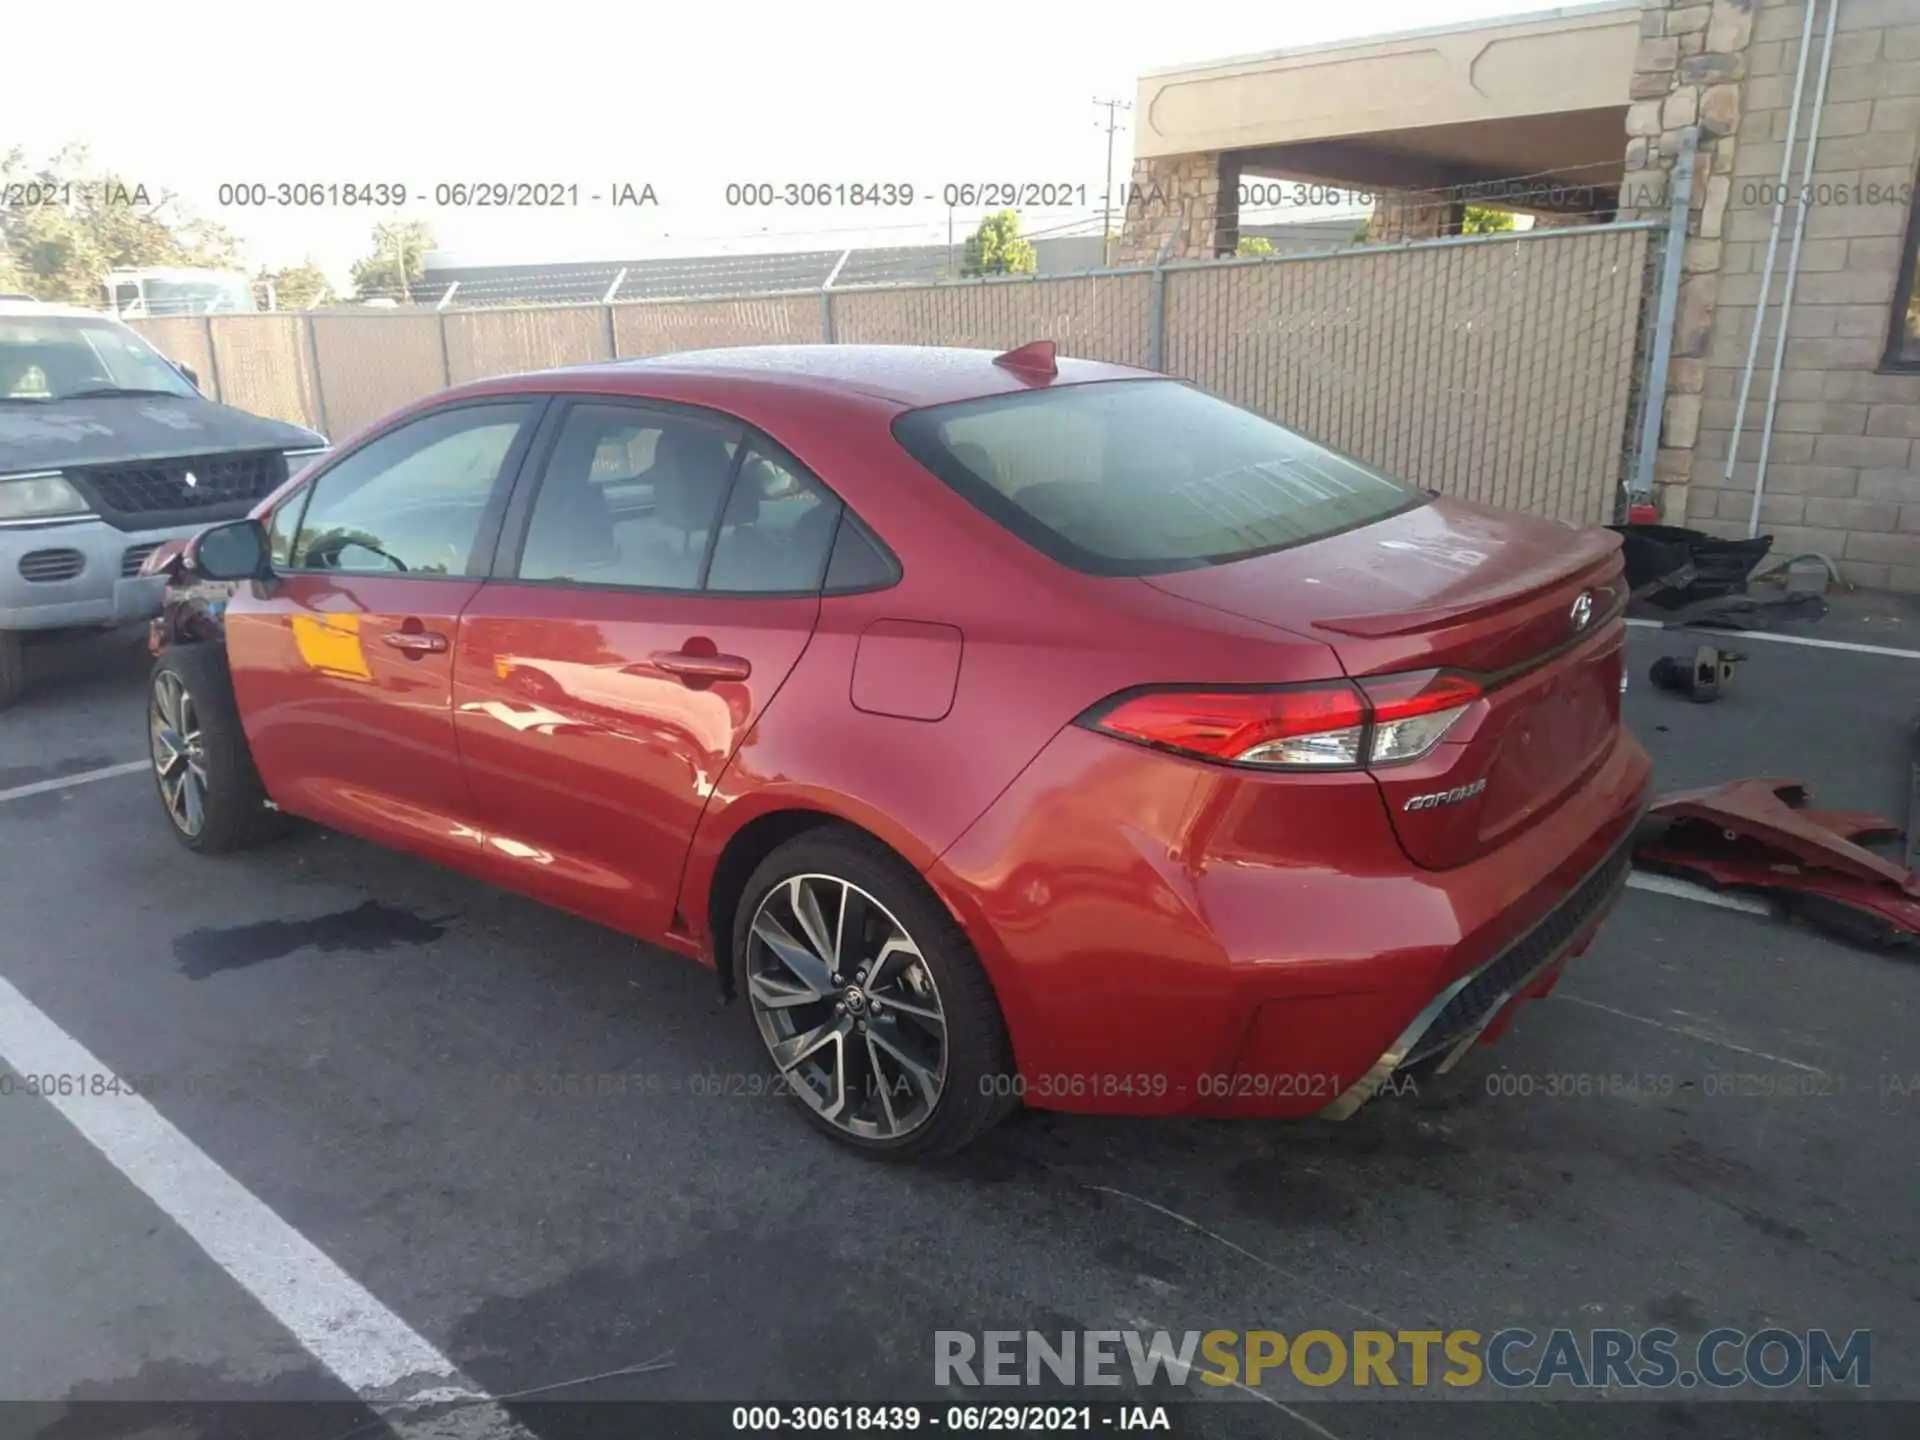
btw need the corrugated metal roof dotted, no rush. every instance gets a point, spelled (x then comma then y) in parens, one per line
(587, 282)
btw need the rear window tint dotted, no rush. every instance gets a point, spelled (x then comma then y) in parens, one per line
(1138, 477)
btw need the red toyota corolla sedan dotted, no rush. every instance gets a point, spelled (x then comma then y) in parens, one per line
(1000, 728)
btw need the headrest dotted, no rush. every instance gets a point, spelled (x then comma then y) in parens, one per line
(689, 467)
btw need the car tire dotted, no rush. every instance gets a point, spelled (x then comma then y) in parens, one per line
(912, 960)
(13, 668)
(203, 770)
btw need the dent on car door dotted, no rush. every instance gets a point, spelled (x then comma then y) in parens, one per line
(656, 589)
(343, 664)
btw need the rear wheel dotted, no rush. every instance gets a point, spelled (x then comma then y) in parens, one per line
(201, 765)
(869, 999)
(12, 668)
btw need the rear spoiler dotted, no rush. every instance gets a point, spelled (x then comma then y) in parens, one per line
(1412, 622)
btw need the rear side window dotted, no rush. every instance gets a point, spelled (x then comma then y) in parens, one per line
(630, 498)
(777, 530)
(1138, 477)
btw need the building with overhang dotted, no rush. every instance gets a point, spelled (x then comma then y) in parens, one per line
(1793, 128)
(1526, 113)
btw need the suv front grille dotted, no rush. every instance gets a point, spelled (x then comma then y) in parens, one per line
(187, 487)
(42, 567)
(136, 556)
(1476, 1000)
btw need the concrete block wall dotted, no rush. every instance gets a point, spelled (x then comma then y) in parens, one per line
(1843, 471)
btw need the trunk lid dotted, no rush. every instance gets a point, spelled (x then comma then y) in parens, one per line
(1527, 606)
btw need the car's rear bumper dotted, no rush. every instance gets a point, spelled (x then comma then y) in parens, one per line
(95, 567)
(1469, 1008)
(1164, 941)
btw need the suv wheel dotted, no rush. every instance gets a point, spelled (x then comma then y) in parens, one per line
(201, 765)
(12, 668)
(869, 999)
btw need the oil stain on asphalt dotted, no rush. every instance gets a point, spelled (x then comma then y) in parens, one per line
(366, 928)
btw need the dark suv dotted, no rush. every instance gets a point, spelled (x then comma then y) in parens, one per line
(106, 450)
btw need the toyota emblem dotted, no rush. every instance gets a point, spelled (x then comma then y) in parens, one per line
(1582, 611)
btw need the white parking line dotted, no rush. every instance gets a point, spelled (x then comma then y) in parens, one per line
(1705, 894)
(373, 1351)
(1691, 1032)
(1858, 647)
(82, 777)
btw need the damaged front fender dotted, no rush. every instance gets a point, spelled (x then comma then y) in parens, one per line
(193, 609)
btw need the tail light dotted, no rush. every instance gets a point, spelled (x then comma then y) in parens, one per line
(1382, 720)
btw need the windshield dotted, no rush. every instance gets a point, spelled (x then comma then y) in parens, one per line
(1137, 477)
(212, 296)
(51, 357)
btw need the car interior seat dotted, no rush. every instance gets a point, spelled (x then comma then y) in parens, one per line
(571, 534)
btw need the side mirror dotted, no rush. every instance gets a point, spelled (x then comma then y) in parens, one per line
(193, 376)
(234, 551)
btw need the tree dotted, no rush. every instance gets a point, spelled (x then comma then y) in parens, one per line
(997, 249)
(1479, 220)
(297, 287)
(81, 220)
(397, 264)
(1253, 245)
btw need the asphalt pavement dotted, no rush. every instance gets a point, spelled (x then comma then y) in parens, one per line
(512, 1158)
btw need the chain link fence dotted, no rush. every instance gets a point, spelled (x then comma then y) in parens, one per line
(1508, 369)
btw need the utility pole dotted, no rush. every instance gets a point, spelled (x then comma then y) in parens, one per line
(400, 265)
(1112, 107)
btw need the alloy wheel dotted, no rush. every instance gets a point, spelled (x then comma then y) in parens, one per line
(179, 757)
(847, 1006)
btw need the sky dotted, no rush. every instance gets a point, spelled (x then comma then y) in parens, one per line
(686, 97)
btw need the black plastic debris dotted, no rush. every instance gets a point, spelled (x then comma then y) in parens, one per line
(1703, 678)
(1669, 566)
(1689, 578)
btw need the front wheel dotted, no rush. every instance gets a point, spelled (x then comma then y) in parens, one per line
(201, 764)
(869, 999)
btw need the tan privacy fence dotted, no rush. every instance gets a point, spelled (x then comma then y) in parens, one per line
(1502, 369)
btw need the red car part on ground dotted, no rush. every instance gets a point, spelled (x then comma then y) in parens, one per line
(1757, 834)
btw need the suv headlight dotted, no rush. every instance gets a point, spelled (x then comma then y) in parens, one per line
(40, 497)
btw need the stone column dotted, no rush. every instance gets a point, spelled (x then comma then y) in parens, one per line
(1188, 205)
(1687, 71)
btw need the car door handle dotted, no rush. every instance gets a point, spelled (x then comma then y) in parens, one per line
(691, 667)
(415, 643)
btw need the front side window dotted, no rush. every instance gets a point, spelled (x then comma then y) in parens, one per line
(58, 357)
(412, 501)
(282, 526)
(1137, 477)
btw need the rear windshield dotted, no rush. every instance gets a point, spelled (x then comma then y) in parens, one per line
(1138, 477)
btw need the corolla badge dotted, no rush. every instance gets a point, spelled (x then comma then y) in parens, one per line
(1582, 611)
(1446, 797)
